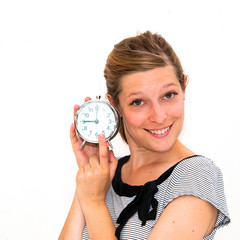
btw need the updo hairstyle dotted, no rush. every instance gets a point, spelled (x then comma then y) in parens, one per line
(137, 54)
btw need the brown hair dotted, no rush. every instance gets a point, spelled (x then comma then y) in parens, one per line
(141, 53)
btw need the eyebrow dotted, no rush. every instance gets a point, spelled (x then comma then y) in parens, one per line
(142, 92)
(135, 93)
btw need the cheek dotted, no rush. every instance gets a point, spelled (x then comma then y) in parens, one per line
(176, 110)
(133, 118)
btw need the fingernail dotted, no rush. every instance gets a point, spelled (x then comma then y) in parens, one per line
(101, 136)
(87, 99)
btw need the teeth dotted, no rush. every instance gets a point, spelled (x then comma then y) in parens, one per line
(159, 132)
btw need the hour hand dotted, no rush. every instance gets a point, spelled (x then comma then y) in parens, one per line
(87, 121)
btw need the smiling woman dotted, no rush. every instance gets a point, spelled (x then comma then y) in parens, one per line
(152, 106)
(162, 190)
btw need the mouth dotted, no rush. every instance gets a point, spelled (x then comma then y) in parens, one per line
(159, 132)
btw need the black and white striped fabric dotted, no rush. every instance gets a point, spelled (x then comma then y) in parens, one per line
(196, 175)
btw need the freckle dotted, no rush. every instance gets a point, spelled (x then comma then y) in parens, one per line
(193, 230)
(173, 221)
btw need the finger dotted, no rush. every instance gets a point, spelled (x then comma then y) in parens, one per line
(113, 162)
(76, 144)
(103, 150)
(112, 158)
(87, 167)
(87, 99)
(76, 107)
(94, 161)
(79, 174)
(73, 136)
(81, 170)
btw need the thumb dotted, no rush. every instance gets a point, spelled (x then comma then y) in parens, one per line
(113, 162)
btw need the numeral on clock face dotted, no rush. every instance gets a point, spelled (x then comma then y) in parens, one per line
(96, 117)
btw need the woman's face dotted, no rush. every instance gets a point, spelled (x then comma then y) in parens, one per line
(152, 107)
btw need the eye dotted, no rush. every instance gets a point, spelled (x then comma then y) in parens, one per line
(137, 102)
(170, 95)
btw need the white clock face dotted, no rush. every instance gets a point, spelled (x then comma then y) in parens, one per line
(95, 117)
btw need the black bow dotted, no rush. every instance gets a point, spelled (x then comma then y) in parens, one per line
(144, 203)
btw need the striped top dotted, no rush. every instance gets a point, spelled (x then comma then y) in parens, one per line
(136, 209)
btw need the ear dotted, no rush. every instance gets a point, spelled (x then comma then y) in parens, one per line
(110, 99)
(186, 81)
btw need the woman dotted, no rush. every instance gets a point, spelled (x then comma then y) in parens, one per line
(162, 190)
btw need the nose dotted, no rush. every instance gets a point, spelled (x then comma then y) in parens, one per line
(157, 114)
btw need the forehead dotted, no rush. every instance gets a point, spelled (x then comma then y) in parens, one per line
(154, 79)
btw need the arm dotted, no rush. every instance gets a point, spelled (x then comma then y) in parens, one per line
(74, 224)
(99, 223)
(75, 221)
(185, 218)
(93, 181)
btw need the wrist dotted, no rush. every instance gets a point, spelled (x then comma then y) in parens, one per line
(98, 220)
(90, 199)
(92, 209)
(93, 205)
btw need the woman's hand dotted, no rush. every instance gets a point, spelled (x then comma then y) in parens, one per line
(81, 155)
(96, 164)
(94, 177)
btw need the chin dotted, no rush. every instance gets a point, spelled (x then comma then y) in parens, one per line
(161, 149)
(162, 145)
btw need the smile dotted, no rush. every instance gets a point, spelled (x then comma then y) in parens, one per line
(159, 132)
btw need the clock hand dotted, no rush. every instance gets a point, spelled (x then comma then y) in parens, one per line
(96, 112)
(95, 121)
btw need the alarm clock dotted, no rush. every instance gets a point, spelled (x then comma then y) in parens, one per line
(95, 117)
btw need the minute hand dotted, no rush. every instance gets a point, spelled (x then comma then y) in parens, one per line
(96, 113)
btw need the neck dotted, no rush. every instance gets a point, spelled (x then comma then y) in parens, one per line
(143, 157)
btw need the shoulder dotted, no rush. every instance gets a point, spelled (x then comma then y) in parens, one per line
(198, 161)
(197, 168)
(200, 177)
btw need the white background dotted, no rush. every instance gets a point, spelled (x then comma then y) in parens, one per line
(52, 55)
